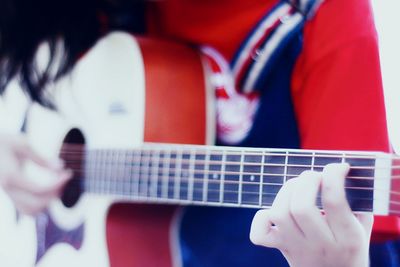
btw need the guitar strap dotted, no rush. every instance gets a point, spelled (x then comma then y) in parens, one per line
(274, 33)
(254, 104)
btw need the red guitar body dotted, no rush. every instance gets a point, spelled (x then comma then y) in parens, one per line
(140, 234)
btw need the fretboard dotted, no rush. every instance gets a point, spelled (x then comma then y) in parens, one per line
(223, 176)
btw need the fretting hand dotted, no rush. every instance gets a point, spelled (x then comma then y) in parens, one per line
(307, 237)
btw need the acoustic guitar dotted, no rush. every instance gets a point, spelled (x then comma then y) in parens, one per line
(136, 125)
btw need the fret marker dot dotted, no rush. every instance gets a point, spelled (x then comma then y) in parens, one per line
(252, 178)
(215, 176)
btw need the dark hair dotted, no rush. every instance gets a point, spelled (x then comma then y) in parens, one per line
(25, 24)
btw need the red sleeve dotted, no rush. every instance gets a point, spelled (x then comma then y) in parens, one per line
(337, 85)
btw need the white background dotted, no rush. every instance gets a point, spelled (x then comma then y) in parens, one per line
(388, 23)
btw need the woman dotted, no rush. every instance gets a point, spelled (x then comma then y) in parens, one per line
(307, 93)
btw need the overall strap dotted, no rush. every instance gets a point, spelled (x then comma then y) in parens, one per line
(259, 51)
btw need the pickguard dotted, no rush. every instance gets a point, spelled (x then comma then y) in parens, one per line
(49, 235)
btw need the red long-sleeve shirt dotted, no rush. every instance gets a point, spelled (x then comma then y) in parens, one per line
(336, 84)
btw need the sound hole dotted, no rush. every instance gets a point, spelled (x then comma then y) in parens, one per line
(72, 152)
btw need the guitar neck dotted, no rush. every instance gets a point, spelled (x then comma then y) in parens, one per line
(229, 176)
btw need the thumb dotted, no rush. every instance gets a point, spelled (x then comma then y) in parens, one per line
(262, 231)
(366, 220)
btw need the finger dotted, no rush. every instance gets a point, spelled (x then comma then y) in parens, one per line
(18, 183)
(262, 232)
(304, 210)
(24, 151)
(31, 202)
(280, 212)
(339, 216)
(27, 203)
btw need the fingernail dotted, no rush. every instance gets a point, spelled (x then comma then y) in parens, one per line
(345, 166)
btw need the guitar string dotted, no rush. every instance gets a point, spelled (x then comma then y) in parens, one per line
(151, 196)
(150, 158)
(254, 202)
(171, 178)
(296, 165)
(150, 192)
(80, 154)
(75, 164)
(150, 174)
(218, 151)
(252, 175)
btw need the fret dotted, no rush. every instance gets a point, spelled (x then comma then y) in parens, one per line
(89, 169)
(137, 161)
(172, 174)
(285, 174)
(214, 175)
(158, 179)
(260, 192)
(313, 161)
(361, 162)
(297, 162)
(95, 176)
(112, 173)
(222, 179)
(184, 175)
(103, 171)
(177, 179)
(123, 162)
(251, 172)
(100, 173)
(148, 176)
(145, 166)
(191, 174)
(321, 160)
(121, 169)
(205, 176)
(109, 171)
(165, 175)
(232, 177)
(343, 160)
(128, 174)
(154, 174)
(241, 178)
(275, 168)
(199, 175)
(274, 175)
(360, 198)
